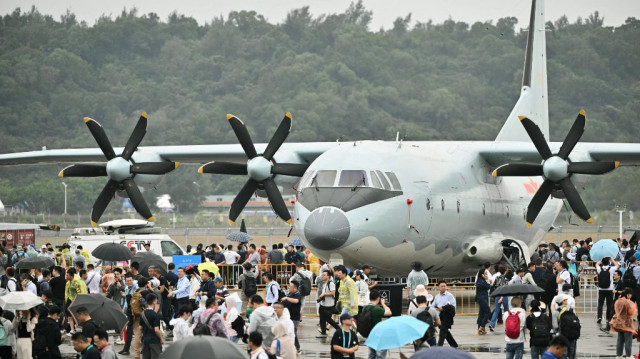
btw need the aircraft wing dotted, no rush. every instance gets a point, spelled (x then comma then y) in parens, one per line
(499, 153)
(307, 152)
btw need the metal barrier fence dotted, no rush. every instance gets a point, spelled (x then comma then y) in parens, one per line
(463, 292)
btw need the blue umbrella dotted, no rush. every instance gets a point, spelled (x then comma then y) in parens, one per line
(604, 248)
(296, 242)
(396, 332)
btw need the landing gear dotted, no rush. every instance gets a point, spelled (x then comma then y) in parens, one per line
(513, 254)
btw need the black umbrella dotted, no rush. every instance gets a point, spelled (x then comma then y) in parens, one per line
(104, 311)
(147, 259)
(35, 263)
(202, 346)
(516, 289)
(112, 252)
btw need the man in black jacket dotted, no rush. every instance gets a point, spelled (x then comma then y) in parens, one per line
(47, 336)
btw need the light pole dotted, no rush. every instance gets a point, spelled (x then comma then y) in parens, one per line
(65, 197)
(620, 209)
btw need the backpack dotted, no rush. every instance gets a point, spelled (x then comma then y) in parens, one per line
(540, 330)
(629, 279)
(512, 325)
(426, 317)
(137, 303)
(238, 326)
(39, 288)
(604, 278)
(305, 285)
(569, 324)
(203, 328)
(249, 286)
(365, 321)
(575, 285)
(4, 336)
(499, 282)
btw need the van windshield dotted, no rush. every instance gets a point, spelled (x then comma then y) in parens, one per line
(170, 249)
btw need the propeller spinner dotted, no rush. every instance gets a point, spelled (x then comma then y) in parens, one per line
(259, 168)
(556, 169)
(120, 169)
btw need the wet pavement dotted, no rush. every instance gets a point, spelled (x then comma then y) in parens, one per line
(592, 344)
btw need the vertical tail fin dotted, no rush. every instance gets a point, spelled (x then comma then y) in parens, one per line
(533, 95)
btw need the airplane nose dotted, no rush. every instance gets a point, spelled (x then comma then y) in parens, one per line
(327, 228)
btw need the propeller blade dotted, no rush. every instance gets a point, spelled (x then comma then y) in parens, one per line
(102, 201)
(576, 131)
(154, 168)
(571, 193)
(538, 201)
(536, 137)
(592, 168)
(289, 169)
(518, 169)
(224, 168)
(276, 200)
(137, 200)
(241, 200)
(84, 170)
(243, 136)
(136, 137)
(278, 137)
(101, 137)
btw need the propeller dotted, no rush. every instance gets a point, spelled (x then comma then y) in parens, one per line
(119, 168)
(259, 167)
(556, 169)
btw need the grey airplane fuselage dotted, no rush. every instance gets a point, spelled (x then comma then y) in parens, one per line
(447, 203)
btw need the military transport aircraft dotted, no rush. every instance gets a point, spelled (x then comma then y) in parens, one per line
(450, 204)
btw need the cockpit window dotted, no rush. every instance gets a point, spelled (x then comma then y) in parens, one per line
(394, 181)
(324, 178)
(304, 182)
(353, 178)
(374, 180)
(385, 183)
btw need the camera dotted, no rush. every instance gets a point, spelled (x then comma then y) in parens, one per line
(319, 300)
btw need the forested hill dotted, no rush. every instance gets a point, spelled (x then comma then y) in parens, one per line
(338, 78)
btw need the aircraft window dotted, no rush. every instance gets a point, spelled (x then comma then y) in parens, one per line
(304, 182)
(325, 178)
(170, 249)
(375, 182)
(353, 178)
(385, 183)
(394, 181)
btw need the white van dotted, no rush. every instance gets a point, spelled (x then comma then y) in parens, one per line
(128, 232)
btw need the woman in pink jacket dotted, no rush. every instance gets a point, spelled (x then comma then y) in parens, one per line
(622, 322)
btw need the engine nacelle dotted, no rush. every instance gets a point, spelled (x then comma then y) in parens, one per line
(487, 248)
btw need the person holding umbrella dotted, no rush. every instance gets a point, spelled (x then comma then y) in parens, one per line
(24, 323)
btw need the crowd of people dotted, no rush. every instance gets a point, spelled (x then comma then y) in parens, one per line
(550, 317)
(172, 305)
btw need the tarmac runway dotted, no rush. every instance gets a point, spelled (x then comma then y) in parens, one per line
(592, 344)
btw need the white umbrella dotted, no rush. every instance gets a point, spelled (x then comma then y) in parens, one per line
(19, 301)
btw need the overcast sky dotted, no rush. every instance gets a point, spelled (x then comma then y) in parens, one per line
(384, 11)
